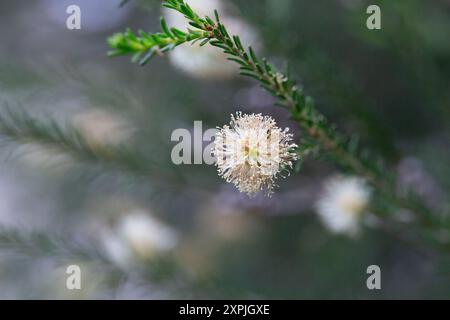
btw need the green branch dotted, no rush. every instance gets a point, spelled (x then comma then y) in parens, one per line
(39, 243)
(18, 126)
(343, 150)
(68, 250)
(144, 46)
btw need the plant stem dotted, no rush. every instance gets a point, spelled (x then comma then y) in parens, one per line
(345, 152)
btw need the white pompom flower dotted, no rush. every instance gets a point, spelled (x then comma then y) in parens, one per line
(252, 151)
(207, 61)
(343, 204)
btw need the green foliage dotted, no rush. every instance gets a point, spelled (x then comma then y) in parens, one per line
(20, 127)
(346, 151)
(39, 243)
(388, 86)
(144, 46)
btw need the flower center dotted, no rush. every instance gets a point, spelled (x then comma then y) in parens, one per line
(253, 152)
(352, 205)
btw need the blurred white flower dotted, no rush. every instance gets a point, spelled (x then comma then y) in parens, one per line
(343, 203)
(145, 234)
(99, 127)
(252, 151)
(138, 235)
(208, 61)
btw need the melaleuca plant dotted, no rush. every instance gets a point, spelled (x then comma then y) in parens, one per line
(320, 136)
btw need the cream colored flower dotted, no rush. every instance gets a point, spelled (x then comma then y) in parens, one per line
(145, 235)
(207, 61)
(137, 235)
(343, 204)
(252, 151)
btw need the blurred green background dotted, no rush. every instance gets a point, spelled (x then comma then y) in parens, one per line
(392, 86)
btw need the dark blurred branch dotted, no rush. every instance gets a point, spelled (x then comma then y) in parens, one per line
(70, 250)
(42, 243)
(19, 127)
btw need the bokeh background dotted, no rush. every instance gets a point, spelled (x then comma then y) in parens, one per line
(142, 228)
